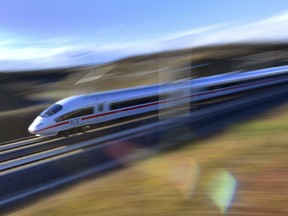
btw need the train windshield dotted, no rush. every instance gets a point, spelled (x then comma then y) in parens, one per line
(51, 110)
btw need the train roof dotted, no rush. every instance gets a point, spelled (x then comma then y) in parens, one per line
(238, 76)
(120, 94)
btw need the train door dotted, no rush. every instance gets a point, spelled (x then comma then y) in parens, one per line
(100, 109)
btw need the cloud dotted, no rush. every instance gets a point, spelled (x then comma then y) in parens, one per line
(270, 29)
(6, 42)
(281, 17)
(66, 51)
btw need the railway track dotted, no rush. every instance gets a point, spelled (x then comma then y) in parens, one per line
(34, 149)
(29, 147)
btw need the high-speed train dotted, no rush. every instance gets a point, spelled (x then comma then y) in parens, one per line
(78, 112)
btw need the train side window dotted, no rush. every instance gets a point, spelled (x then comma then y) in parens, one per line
(75, 114)
(134, 102)
(214, 87)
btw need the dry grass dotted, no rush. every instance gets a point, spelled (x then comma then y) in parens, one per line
(248, 163)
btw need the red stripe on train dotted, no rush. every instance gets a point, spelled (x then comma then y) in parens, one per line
(59, 124)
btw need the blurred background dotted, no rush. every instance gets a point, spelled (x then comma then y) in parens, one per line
(52, 49)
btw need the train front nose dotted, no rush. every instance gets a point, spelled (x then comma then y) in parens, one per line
(36, 126)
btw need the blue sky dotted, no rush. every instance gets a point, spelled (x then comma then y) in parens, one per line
(55, 33)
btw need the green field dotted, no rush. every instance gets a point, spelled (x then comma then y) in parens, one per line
(242, 171)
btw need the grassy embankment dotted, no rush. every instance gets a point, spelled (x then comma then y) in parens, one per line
(246, 166)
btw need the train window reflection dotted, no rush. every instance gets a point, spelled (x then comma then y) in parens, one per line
(55, 108)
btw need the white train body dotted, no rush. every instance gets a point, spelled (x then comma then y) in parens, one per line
(84, 110)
